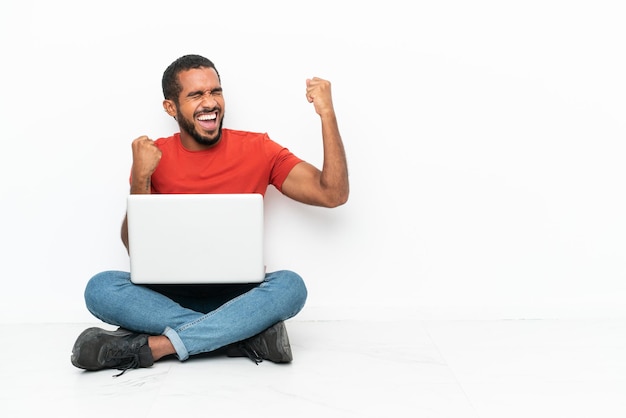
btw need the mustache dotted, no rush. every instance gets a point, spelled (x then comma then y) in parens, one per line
(207, 110)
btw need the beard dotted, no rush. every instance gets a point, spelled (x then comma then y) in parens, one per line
(188, 126)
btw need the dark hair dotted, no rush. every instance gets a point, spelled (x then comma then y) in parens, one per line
(169, 83)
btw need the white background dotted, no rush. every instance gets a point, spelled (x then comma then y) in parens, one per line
(485, 142)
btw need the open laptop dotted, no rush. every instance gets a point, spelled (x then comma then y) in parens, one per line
(196, 238)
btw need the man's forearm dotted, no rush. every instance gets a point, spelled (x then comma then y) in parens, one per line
(335, 168)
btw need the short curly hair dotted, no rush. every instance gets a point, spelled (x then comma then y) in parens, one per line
(171, 86)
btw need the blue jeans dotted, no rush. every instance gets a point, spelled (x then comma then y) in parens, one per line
(195, 318)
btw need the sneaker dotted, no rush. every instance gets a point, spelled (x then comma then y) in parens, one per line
(97, 349)
(271, 344)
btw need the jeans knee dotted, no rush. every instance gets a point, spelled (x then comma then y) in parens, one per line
(99, 288)
(300, 289)
(294, 288)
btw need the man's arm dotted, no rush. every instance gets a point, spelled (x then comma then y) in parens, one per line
(306, 183)
(146, 157)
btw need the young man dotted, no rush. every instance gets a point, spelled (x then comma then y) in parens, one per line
(204, 157)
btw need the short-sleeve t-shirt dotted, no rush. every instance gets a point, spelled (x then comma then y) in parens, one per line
(242, 162)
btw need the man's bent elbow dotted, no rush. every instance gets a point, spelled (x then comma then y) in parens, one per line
(337, 199)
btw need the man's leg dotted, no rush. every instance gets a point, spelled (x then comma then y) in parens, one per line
(111, 297)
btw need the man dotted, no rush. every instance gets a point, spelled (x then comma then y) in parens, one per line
(158, 321)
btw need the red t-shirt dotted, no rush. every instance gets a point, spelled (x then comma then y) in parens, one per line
(242, 162)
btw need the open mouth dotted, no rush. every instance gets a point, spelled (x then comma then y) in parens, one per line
(207, 121)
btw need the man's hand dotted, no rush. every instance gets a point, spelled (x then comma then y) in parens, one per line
(146, 157)
(318, 92)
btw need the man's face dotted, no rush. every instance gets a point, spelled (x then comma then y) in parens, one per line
(200, 109)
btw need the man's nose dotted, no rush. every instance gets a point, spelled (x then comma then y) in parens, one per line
(208, 100)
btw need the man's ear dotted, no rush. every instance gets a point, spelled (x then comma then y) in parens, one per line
(170, 108)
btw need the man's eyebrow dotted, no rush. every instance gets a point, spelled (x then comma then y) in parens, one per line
(201, 92)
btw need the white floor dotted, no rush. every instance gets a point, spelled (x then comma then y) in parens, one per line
(457, 369)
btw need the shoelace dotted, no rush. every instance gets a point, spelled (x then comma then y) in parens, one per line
(127, 361)
(252, 354)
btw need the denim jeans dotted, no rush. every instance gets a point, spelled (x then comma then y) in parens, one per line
(195, 318)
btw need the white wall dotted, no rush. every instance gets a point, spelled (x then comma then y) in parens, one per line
(485, 142)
